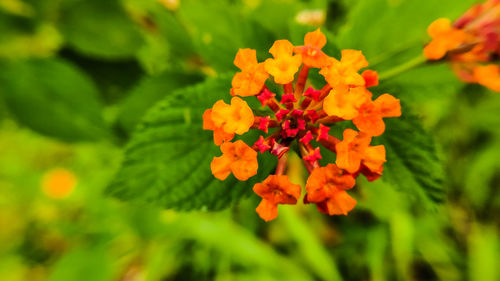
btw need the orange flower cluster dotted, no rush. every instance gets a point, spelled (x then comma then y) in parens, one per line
(471, 44)
(302, 116)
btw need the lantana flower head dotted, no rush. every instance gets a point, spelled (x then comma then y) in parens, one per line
(471, 44)
(301, 118)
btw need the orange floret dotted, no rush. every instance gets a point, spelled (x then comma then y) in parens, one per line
(274, 190)
(59, 183)
(345, 72)
(354, 151)
(251, 79)
(326, 187)
(234, 118)
(340, 203)
(371, 113)
(219, 135)
(488, 76)
(444, 38)
(312, 56)
(345, 102)
(284, 65)
(237, 158)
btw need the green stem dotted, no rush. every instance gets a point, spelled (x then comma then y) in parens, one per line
(387, 55)
(417, 61)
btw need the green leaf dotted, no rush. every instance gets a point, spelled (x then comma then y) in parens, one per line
(167, 43)
(175, 33)
(482, 168)
(83, 264)
(103, 31)
(429, 89)
(54, 98)
(413, 163)
(219, 29)
(148, 92)
(167, 162)
(266, 15)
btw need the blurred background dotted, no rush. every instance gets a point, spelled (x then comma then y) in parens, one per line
(76, 76)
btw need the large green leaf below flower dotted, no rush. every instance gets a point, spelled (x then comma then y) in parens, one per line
(167, 162)
(413, 163)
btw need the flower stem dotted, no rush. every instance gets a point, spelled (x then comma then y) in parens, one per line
(282, 162)
(288, 89)
(301, 82)
(417, 61)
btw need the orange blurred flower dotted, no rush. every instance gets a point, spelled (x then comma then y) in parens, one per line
(58, 183)
(469, 44)
(444, 38)
(488, 76)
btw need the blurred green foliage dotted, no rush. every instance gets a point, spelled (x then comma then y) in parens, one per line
(106, 90)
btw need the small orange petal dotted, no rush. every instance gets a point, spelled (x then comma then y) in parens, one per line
(439, 27)
(315, 39)
(324, 182)
(435, 50)
(388, 106)
(374, 158)
(220, 136)
(354, 58)
(488, 76)
(220, 167)
(246, 165)
(350, 151)
(278, 189)
(369, 120)
(340, 204)
(281, 48)
(237, 158)
(251, 80)
(267, 210)
(283, 68)
(344, 102)
(208, 124)
(236, 118)
(245, 59)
